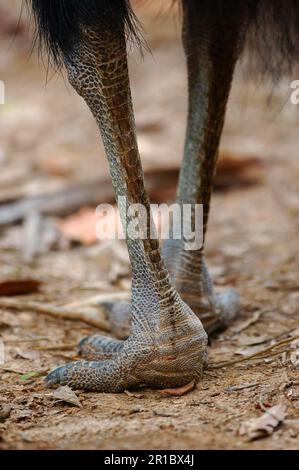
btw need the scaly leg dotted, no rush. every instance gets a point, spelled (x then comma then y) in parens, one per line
(167, 345)
(212, 38)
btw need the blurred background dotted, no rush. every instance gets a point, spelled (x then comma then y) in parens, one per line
(53, 173)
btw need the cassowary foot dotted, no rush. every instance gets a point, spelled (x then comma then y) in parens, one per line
(169, 353)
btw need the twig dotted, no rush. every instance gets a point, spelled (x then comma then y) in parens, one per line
(100, 299)
(32, 231)
(250, 356)
(59, 347)
(97, 319)
(232, 172)
(78, 195)
(33, 340)
(59, 203)
(13, 371)
(235, 388)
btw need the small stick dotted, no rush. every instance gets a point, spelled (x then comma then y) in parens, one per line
(100, 299)
(13, 371)
(235, 388)
(59, 347)
(33, 340)
(255, 318)
(32, 228)
(250, 356)
(97, 319)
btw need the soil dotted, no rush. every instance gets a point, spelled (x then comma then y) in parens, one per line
(49, 139)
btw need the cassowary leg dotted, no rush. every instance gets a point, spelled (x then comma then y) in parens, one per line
(167, 345)
(213, 39)
(212, 42)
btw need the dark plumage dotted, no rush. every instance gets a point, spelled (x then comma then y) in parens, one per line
(59, 22)
(271, 27)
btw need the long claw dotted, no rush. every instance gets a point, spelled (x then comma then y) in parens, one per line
(55, 377)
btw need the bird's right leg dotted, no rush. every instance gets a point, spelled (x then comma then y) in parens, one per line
(212, 42)
(212, 38)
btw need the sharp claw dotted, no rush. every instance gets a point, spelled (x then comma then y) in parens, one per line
(54, 377)
(58, 376)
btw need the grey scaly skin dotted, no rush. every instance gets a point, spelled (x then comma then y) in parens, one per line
(212, 49)
(167, 344)
(209, 84)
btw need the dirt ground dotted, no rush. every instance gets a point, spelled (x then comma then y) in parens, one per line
(48, 139)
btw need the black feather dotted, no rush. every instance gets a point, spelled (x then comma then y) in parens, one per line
(271, 26)
(273, 36)
(58, 22)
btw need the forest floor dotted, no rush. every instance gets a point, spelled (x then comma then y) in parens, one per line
(49, 141)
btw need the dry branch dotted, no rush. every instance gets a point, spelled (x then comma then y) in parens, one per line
(256, 354)
(97, 319)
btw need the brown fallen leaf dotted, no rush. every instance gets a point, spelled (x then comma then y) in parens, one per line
(178, 392)
(265, 425)
(56, 165)
(249, 350)
(29, 355)
(67, 395)
(235, 171)
(80, 227)
(88, 226)
(19, 287)
(241, 327)
(247, 340)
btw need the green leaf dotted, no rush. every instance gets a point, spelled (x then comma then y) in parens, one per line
(30, 375)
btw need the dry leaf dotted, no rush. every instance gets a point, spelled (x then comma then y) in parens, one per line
(246, 340)
(249, 350)
(80, 227)
(67, 395)
(57, 165)
(238, 170)
(178, 392)
(19, 287)
(29, 355)
(265, 425)
(255, 318)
